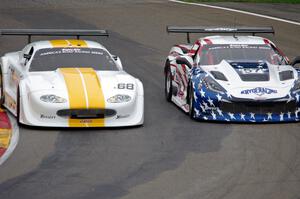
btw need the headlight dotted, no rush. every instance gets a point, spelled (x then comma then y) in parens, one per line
(296, 86)
(212, 85)
(119, 99)
(52, 99)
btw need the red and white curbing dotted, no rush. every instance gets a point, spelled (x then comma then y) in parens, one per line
(9, 135)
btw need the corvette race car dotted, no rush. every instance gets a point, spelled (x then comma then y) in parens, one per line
(69, 83)
(236, 78)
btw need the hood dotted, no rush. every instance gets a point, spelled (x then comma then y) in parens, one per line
(83, 87)
(255, 80)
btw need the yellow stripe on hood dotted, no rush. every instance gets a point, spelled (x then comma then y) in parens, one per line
(84, 90)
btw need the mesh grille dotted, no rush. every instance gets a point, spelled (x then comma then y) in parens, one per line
(259, 107)
(86, 113)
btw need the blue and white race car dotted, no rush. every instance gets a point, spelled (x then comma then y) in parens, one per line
(232, 78)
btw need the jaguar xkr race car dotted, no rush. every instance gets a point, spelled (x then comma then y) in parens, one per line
(69, 83)
(237, 78)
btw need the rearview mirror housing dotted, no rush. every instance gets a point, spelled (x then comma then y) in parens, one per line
(118, 61)
(183, 60)
(27, 56)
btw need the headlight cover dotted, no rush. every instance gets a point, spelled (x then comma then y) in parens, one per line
(119, 99)
(212, 85)
(52, 99)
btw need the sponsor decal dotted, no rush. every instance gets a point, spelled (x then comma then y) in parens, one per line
(47, 116)
(122, 116)
(259, 91)
(86, 121)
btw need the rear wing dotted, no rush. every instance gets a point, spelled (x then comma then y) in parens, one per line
(223, 30)
(52, 32)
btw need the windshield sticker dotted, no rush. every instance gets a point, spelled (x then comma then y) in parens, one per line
(71, 51)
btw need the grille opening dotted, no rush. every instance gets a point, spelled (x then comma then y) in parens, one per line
(86, 113)
(259, 107)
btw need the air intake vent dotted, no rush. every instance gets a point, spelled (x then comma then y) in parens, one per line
(218, 75)
(86, 113)
(286, 75)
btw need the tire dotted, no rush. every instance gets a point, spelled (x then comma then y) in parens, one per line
(1, 88)
(191, 103)
(168, 84)
(18, 106)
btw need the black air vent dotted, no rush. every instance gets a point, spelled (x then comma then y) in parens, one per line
(218, 75)
(286, 75)
(86, 113)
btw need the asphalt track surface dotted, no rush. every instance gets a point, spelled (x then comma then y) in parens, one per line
(171, 156)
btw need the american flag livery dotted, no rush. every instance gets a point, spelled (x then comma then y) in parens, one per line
(233, 79)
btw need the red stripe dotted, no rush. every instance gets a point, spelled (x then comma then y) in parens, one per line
(4, 121)
(266, 41)
(2, 151)
(208, 41)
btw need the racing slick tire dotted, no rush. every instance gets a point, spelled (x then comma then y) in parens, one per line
(18, 106)
(191, 103)
(168, 83)
(1, 88)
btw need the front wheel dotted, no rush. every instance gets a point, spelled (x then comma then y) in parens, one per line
(1, 88)
(168, 85)
(191, 103)
(18, 106)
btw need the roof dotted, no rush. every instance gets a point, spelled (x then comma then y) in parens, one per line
(235, 39)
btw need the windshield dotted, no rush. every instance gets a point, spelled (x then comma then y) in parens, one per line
(214, 54)
(50, 59)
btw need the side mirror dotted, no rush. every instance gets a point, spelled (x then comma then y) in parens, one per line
(27, 56)
(295, 61)
(25, 59)
(118, 61)
(182, 60)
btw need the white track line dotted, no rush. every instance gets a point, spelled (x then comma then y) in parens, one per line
(238, 11)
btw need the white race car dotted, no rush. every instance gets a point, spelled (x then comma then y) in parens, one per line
(69, 83)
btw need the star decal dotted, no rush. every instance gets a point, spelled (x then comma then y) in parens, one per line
(197, 112)
(195, 97)
(281, 116)
(205, 105)
(290, 98)
(297, 112)
(214, 115)
(242, 116)
(202, 93)
(297, 97)
(219, 97)
(220, 112)
(269, 116)
(211, 102)
(202, 108)
(252, 115)
(289, 115)
(231, 115)
(205, 118)
(228, 95)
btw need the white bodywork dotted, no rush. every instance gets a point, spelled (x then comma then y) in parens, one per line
(32, 85)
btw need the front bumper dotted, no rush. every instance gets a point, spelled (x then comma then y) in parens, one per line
(127, 114)
(217, 107)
